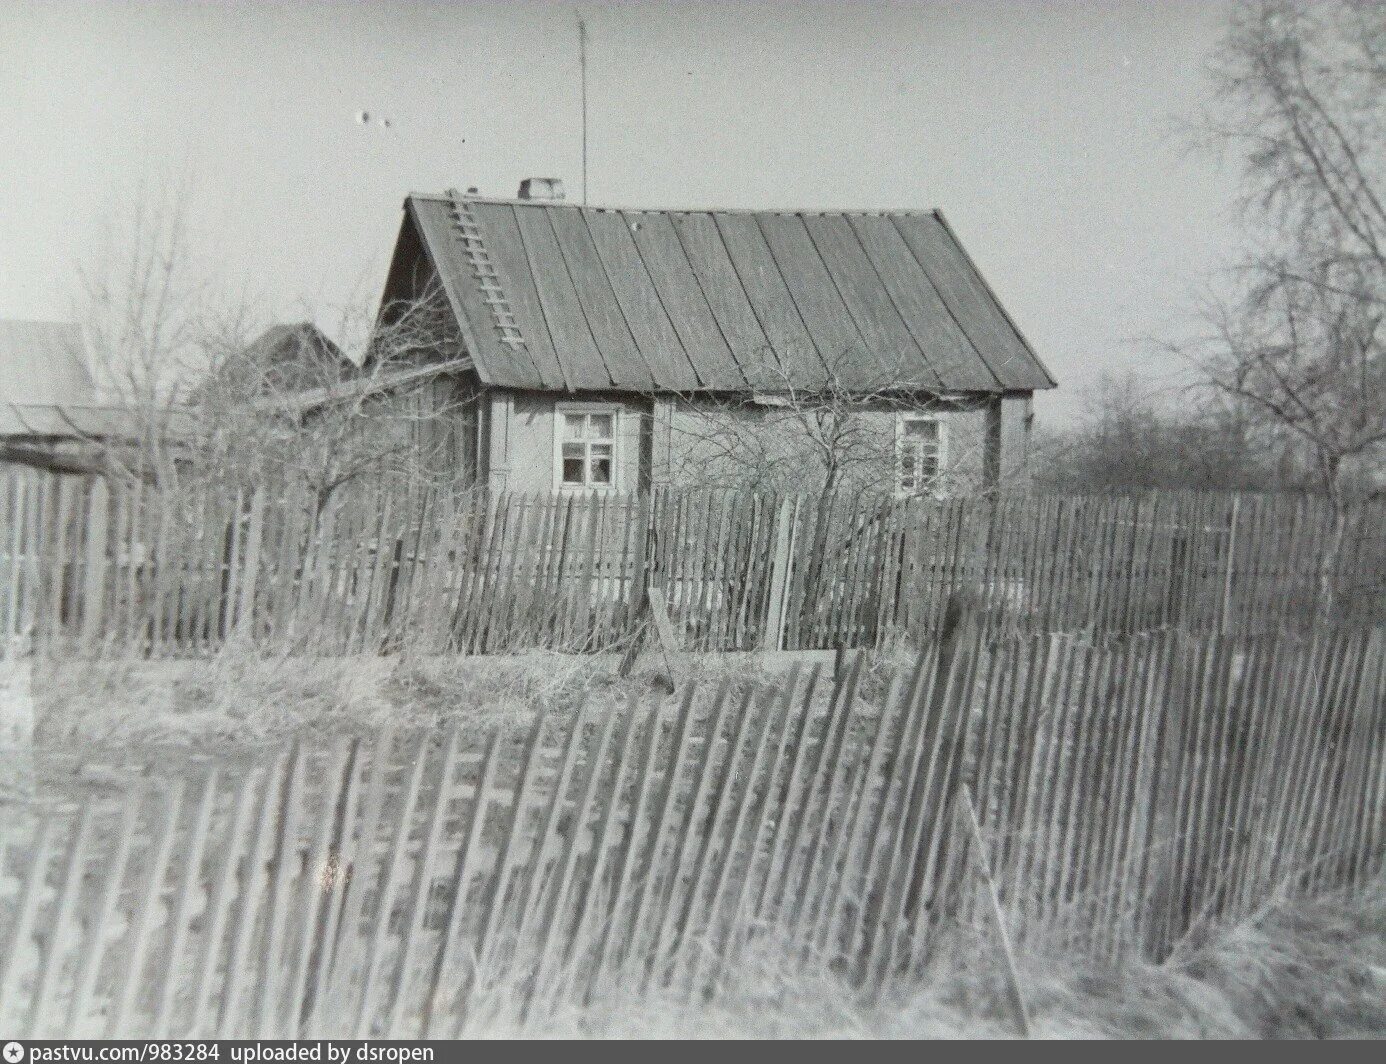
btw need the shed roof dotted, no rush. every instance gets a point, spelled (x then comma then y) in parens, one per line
(74, 421)
(365, 384)
(556, 296)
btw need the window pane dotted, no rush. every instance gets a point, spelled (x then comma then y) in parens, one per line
(572, 426)
(572, 470)
(601, 468)
(599, 427)
(572, 450)
(601, 449)
(923, 429)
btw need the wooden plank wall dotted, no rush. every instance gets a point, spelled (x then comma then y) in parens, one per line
(397, 885)
(90, 567)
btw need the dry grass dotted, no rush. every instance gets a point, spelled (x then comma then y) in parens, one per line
(1300, 970)
(236, 701)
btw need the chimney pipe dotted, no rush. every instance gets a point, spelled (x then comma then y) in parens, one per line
(541, 188)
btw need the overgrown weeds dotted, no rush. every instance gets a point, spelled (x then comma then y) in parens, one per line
(1302, 969)
(237, 700)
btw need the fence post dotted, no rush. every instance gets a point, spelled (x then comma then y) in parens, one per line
(1161, 888)
(388, 642)
(1174, 596)
(650, 509)
(17, 719)
(250, 567)
(1224, 620)
(772, 636)
(967, 812)
(94, 582)
(11, 506)
(226, 603)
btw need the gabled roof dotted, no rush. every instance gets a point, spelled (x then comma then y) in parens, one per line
(555, 296)
(284, 342)
(294, 355)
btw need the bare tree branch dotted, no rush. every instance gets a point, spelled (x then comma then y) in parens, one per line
(1295, 336)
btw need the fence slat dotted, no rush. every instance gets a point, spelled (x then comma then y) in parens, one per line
(1120, 795)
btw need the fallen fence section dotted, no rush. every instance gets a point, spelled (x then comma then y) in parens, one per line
(1126, 796)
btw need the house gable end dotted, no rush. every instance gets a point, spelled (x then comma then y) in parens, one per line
(495, 344)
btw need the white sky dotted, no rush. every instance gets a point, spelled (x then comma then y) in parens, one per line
(1043, 130)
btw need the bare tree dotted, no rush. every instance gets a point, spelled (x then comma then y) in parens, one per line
(1297, 337)
(144, 311)
(833, 437)
(1127, 436)
(294, 407)
(198, 391)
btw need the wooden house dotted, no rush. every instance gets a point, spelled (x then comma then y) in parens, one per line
(590, 342)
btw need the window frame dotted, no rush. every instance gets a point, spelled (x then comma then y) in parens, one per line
(561, 410)
(901, 420)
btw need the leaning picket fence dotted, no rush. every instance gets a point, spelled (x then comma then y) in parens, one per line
(1126, 795)
(96, 567)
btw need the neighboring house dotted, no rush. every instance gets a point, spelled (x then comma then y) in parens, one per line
(296, 357)
(48, 401)
(290, 367)
(53, 415)
(594, 342)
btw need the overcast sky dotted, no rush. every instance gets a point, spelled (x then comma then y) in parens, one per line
(1044, 131)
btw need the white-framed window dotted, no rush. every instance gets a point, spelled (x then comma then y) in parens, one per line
(586, 447)
(919, 454)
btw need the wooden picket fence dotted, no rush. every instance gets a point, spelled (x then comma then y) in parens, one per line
(90, 567)
(1107, 796)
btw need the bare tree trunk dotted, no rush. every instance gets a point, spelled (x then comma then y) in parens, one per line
(822, 530)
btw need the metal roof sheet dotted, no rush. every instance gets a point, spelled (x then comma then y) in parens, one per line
(557, 296)
(42, 362)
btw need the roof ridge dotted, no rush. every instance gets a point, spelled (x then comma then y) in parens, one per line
(629, 209)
